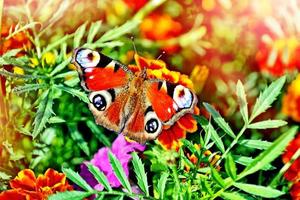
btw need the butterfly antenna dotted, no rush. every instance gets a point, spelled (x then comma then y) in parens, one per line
(160, 55)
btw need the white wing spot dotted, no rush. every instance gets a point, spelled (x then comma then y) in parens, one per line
(91, 77)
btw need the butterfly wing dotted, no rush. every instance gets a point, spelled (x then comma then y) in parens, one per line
(107, 81)
(161, 103)
(170, 101)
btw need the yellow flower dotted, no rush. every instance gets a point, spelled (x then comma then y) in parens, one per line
(33, 62)
(199, 76)
(48, 58)
(291, 100)
(18, 70)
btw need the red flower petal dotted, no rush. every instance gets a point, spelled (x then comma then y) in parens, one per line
(188, 123)
(25, 180)
(169, 138)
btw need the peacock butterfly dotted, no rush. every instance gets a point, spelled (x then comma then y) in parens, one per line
(130, 102)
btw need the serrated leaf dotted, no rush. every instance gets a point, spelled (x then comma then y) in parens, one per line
(270, 154)
(99, 176)
(161, 185)
(74, 195)
(256, 144)
(267, 124)
(99, 133)
(267, 97)
(230, 167)
(56, 120)
(219, 120)
(217, 177)
(77, 179)
(119, 171)
(209, 129)
(20, 76)
(78, 139)
(140, 173)
(79, 33)
(43, 113)
(81, 95)
(232, 196)
(61, 66)
(258, 190)
(94, 29)
(28, 88)
(245, 161)
(241, 95)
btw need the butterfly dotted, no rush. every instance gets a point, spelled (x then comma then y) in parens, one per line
(130, 102)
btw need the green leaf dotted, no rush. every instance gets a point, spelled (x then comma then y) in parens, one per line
(61, 66)
(119, 31)
(119, 171)
(241, 95)
(99, 176)
(79, 35)
(4, 176)
(94, 29)
(259, 190)
(219, 120)
(77, 137)
(74, 195)
(270, 154)
(209, 129)
(20, 76)
(81, 95)
(99, 133)
(191, 147)
(56, 120)
(267, 97)
(232, 196)
(230, 167)
(161, 185)
(43, 113)
(57, 43)
(77, 179)
(217, 177)
(140, 173)
(256, 144)
(28, 88)
(267, 124)
(244, 160)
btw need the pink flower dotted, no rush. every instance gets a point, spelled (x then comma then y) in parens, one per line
(122, 149)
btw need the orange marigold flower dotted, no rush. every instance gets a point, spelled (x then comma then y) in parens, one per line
(19, 40)
(171, 135)
(295, 191)
(135, 5)
(161, 27)
(27, 186)
(212, 158)
(293, 173)
(279, 56)
(291, 100)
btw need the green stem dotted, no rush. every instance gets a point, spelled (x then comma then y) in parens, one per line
(35, 35)
(287, 165)
(234, 142)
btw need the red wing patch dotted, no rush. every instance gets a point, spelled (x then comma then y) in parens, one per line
(104, 78)
(162, 103)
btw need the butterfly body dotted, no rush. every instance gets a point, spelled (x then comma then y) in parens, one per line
(128, 102)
